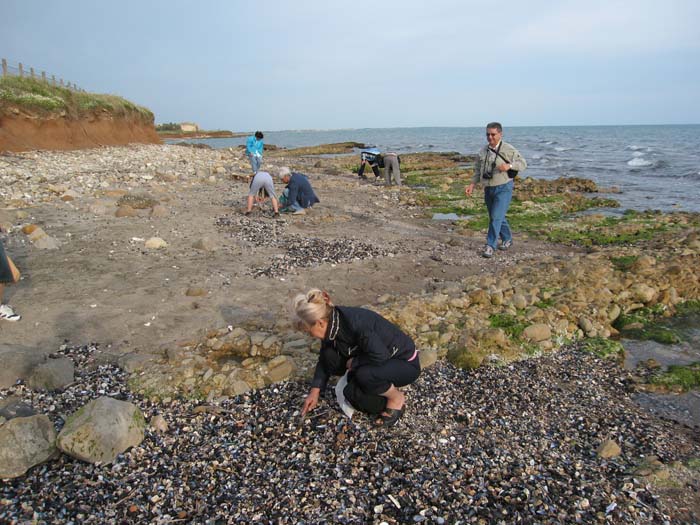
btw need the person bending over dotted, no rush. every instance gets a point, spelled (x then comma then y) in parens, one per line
(369, 156)
(298, 195)
(261, 184)
(377, 355)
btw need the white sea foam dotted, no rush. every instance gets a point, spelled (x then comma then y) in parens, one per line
(633, 147)
(638, 154)
(639, 162)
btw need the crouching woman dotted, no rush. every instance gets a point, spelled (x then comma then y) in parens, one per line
(377, 355)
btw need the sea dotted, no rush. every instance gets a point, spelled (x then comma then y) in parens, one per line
(653, 167)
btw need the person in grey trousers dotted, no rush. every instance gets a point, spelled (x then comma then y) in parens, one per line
(392, 168)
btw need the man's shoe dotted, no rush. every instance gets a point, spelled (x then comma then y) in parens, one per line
(506, 245)
(488, 252)
(8, 314)
(300, 212)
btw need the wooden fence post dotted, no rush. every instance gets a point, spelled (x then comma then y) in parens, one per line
(4, 67)
(43, 76)
(31, 71)
(21, 70)
(53, 79)
(61, 82)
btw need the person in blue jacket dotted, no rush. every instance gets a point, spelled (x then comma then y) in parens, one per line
(379, 358)
(298, 195)
(254, 150)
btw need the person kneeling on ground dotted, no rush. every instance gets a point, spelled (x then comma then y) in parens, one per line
(298, 195)
(7, 276)
(377, 355)
(262, 182)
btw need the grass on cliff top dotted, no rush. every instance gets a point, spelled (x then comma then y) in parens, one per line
(34, 96)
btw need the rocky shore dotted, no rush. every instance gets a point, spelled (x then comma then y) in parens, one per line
(143, 253)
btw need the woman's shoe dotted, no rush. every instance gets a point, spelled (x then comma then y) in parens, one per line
(390, 417)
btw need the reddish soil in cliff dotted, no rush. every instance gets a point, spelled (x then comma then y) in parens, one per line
(22, 132)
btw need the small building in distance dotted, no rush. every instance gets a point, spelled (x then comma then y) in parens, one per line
(188, 126)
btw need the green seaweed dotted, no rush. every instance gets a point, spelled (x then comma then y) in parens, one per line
(685, 377)
(510, 324)
(624, 262)
(604, 348)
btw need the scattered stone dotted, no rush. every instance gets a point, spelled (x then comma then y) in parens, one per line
(101, 430)
(54, 374)
(609, 449)
(205, 244)
(159, 424)
(156, 243)
(126, 211)
(194, 291)
(24, 443)
(17, 363)
(537, 332)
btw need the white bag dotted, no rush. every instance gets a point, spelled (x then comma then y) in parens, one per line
(344, 405)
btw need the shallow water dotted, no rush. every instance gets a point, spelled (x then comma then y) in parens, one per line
(449, 217)
(684, 408)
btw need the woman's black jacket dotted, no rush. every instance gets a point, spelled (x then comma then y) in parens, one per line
(363, 335)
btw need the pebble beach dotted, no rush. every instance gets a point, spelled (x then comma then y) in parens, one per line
(518, 444)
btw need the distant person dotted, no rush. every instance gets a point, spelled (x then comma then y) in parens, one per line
(254, 150)
(369, 157)
(378, 357)
(298, 195)
(392, 168)
(7, 276)
(262, 187)
(497, 164)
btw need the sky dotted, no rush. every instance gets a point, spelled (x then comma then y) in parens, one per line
(320, 64)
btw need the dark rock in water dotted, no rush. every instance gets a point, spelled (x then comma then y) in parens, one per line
(197, 145)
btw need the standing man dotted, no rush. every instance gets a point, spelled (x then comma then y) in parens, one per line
(497, 165)
(298, 195)
(254, 150)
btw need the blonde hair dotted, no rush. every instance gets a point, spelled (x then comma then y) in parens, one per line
(309, 307)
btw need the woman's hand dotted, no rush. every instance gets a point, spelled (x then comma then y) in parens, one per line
(311, 401)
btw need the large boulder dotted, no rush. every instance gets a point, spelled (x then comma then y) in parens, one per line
(101, 430)
(54, 374)
(25, 442)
